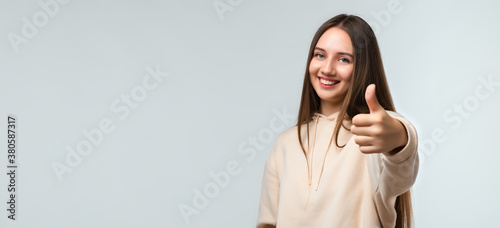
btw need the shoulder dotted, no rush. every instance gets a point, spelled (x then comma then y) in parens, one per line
(287, 136)
(288, 141)
(291, 134)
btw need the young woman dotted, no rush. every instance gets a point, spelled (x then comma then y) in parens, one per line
(351, 159)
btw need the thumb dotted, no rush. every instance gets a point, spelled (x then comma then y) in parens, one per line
(371, 99)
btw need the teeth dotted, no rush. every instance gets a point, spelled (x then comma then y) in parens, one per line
(326, 82)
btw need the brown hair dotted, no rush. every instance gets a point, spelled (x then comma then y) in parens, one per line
(368, 69)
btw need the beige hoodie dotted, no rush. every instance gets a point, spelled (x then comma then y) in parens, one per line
(341, 187)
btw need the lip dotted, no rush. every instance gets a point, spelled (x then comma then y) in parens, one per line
(329, 79)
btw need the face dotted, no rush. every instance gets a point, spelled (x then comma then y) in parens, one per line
(331, 67)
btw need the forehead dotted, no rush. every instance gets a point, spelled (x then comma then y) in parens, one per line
(335, 40)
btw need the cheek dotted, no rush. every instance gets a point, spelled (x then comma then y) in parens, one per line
(313, 68)
(313, 71)
(346, 73)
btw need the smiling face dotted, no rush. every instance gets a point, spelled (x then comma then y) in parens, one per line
(331, 68)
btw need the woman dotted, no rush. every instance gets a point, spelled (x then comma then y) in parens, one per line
(351, 159)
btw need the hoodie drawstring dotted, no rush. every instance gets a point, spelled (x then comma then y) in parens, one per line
(312, 154)
(309, 168)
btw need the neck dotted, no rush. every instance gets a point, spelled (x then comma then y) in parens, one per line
(328, 108)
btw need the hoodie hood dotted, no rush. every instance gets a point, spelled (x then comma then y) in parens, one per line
(329, 121)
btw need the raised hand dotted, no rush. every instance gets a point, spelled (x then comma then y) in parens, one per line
(377, 132)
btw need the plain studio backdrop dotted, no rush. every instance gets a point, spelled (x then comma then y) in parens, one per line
(162, 113)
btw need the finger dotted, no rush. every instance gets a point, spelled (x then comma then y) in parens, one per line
(371, 99)
(369, 149)
(362, 120)
(363, 140)
(364, 131)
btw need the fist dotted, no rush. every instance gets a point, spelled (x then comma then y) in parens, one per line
(377, 132)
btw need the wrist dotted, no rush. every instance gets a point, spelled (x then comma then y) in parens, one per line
(402, 140)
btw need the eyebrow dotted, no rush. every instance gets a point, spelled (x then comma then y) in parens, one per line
(342, 53)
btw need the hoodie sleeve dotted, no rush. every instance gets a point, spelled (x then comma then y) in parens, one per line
(393, 175)
(268, 204)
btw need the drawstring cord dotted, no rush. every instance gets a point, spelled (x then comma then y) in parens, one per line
(312, 155)
(324, 159)
(309, 168)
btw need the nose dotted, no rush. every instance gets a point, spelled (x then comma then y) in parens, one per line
(328, 68)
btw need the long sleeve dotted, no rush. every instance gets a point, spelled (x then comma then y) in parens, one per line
(393, 175)
(356, 190)
(268, 205)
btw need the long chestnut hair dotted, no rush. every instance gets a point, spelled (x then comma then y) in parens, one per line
(368, 69)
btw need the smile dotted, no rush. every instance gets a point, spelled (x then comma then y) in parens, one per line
(327, 83)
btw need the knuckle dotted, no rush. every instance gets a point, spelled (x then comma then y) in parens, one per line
(355, 120)
(378, 131)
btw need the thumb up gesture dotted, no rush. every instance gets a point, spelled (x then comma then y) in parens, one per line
(377, 132)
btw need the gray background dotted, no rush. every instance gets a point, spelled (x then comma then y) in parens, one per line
(229, 74)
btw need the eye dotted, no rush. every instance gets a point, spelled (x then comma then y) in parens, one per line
(345, 60)
(319, 55)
